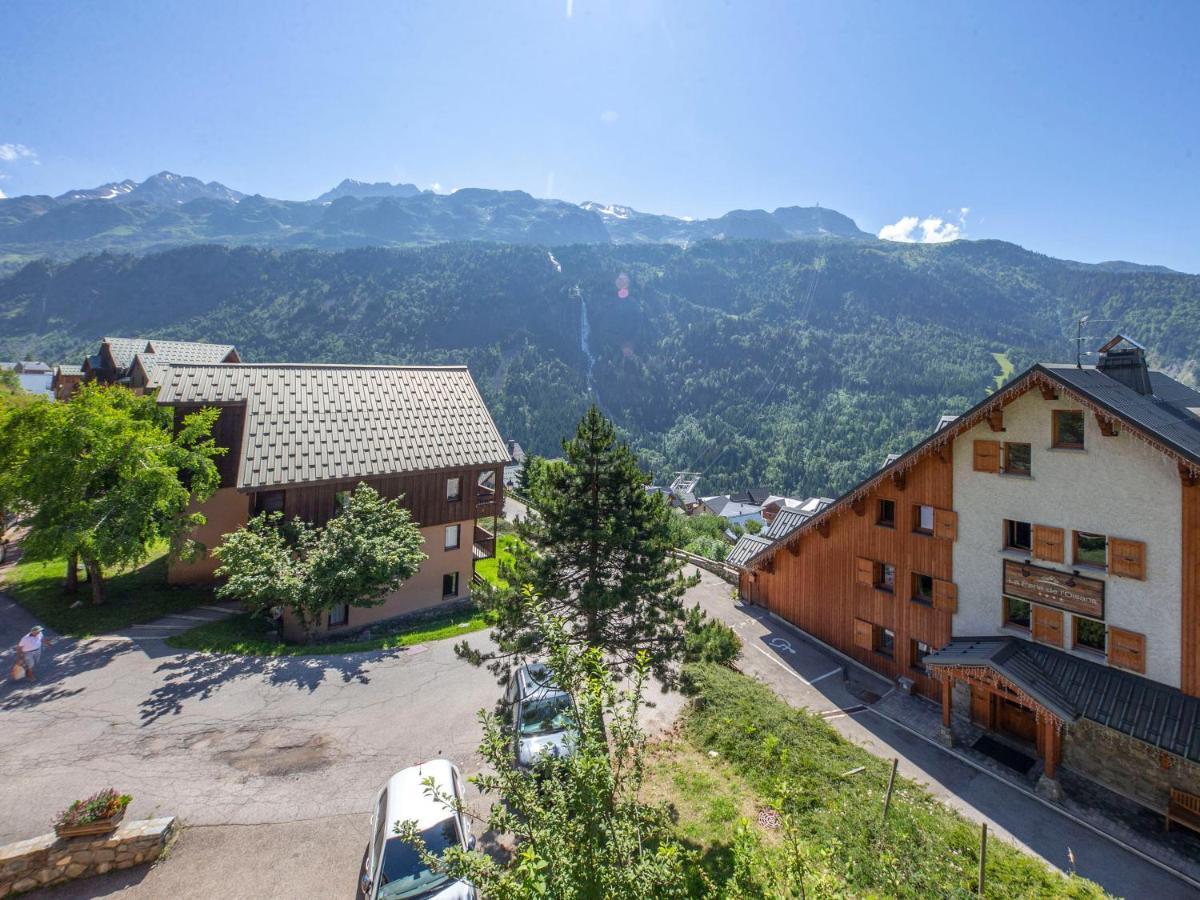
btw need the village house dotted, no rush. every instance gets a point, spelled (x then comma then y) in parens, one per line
(301, 436)
(66, 381)
(137, 362)
(1033, 566)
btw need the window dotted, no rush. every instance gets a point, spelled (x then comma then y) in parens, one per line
(1091, 549)
(1089, 634)
(1017, 613)
(1067, 429)
(1018, 535)
(449, 585)
(453, 535)
(923, 519)
(339, 615)
(1018, 460)
(922, 588)
(268, 501)
(885, 577)
(885, 641)
(886, 514)
(918, 650)
(453, 489)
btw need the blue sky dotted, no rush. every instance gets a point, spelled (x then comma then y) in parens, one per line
(1070, 128)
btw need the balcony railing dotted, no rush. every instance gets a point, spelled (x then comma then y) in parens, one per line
(486, 502)
(484, 546)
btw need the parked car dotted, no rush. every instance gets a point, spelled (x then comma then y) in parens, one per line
(542, 715)
(393, 868)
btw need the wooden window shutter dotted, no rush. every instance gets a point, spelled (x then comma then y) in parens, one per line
(1048, 626)
(1127, 558)
(1127, 649)
(945, 524)
(1048, 543)
(864, 571)
(987, 456)
(864, 634)
(945, 595)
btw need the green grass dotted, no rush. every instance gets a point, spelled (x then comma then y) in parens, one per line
(133, 597)
(795, 761)
(489, 569)
(1006, 369)
(248, 635)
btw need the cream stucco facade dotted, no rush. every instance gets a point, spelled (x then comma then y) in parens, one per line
(1118, 486)
(226, 510)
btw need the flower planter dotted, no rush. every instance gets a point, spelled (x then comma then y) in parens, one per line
(100, 826)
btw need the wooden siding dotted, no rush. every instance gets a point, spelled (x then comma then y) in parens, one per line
(820, 588)
(1190, 614)
(227, 433)
(422, 493)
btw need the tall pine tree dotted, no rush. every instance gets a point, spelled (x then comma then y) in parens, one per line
(597, 551)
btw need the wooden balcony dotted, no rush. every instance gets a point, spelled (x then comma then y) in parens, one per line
(488, 501)
(484, 546)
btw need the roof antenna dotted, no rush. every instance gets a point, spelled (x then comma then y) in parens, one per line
(1079, 343)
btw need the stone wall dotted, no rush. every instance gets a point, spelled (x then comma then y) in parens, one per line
(48, 860)
(722, 570)
(1127, 766)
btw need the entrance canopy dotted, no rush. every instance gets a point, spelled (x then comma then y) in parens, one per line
(1064, 687)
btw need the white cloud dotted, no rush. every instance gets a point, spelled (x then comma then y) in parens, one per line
(570, 8)
(12, 152)
(609, 116)
(930, 230)
(436, 187)
(3, 195)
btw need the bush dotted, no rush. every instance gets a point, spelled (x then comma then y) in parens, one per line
(709, 640)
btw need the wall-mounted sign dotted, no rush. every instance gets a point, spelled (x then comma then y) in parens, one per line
(1062, 590)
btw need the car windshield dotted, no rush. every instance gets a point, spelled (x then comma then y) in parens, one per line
(403, 874)
(545, 715)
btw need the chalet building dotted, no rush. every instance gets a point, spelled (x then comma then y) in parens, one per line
(300, 436)
(1034, 567)
(66, 381)
(138, 363)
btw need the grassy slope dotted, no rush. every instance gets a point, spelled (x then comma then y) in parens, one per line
(134, 597)
(488, 569)
(1006, 369)
(926, 849)
(246, 635)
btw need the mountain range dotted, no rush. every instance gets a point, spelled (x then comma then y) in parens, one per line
(169, 210)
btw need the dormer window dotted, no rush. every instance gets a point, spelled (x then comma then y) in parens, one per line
(1067, 429)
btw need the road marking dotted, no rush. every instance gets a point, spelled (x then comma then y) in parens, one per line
(826, 675)
(781, 665)
(843, 711)
(782, 644)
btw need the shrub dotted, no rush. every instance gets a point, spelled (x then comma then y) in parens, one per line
(101, 805)
(709, 640)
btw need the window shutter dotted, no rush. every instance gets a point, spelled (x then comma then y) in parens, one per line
(1127, 649)
(945, 524)
(1127, 558)
(945, 595)
(1048, 626)
(864, 634)
(987, 456)
(1048, 543)
(864, 571)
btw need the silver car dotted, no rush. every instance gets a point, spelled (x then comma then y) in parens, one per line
(543, 716)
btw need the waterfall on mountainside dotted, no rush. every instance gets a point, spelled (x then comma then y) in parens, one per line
(585, 331)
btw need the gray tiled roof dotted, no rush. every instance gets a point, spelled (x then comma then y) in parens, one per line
(156, 369)
(125, 349)
(307, 423)
(786, 521)
(67, 369)
(747, 546)
(1166, 414)
(1074, 688)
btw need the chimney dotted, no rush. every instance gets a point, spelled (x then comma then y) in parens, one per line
(1126, 364)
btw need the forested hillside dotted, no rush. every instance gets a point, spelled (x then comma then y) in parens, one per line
(793, 365)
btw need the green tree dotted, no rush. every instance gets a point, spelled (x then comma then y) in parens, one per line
(104, 479)
(597, 550)
(368, 550)
(752, 526)
(581, 829)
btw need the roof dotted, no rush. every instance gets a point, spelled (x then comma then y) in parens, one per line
(306, 423)
(1168, 419)
(1072, 688)
(747, 546)
(155, 368)
(516, 453)
(730, 507)
(124, 350)
(68, 370)
(787, 521)
(407, 798)
(33, 367)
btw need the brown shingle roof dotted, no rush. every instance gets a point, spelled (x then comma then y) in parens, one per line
(307, 423)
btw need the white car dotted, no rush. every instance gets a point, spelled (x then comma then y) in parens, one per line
(393, 868)
(542, 715)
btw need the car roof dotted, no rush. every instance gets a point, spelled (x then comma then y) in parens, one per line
(407, 799)
(535, 678)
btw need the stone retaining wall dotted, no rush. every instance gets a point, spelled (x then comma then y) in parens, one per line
(48, 860)
(722, 570)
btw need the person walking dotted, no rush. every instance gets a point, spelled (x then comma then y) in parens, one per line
(29, 651)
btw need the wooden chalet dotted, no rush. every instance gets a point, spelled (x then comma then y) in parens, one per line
(1034, 567)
